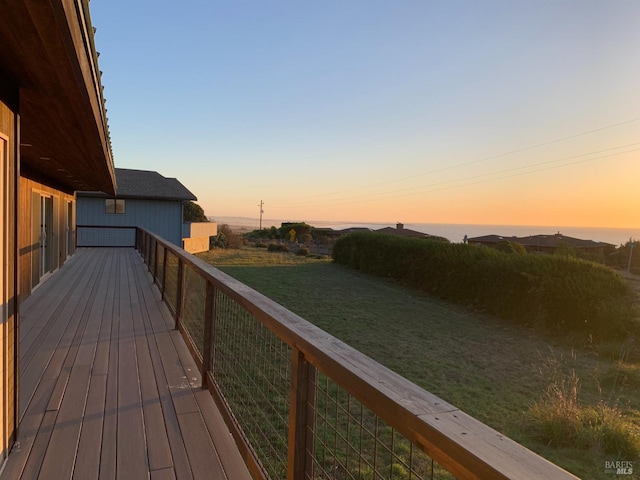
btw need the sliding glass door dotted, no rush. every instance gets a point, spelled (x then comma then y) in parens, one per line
(43, 244)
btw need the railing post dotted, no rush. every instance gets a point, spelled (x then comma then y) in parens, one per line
(209, 320)
(179, 295)
(301, 417)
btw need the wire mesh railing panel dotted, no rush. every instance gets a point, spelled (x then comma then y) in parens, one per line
(160, 251)
(146, 248)
(260, 380)
(252, 368)
(153, 245)
(193, 306)
(149, 251)
(171, 280)
(353, 443)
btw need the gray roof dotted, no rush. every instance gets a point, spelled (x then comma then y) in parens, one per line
(548, 241)
(147, 184)
(402, 232)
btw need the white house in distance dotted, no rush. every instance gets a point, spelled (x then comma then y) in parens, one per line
(143, 199)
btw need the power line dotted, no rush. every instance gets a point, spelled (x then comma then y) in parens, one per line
(480, 160)
(551, 164)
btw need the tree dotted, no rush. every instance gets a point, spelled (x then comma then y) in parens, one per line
(621, 255)
(192, 212)
(226, 238)
(265, 233)
(300, 228)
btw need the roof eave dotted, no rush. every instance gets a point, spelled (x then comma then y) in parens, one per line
(48, 50)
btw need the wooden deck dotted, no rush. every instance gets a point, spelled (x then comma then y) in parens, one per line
(107, 388)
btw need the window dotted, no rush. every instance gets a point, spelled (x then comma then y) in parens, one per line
(113, 205)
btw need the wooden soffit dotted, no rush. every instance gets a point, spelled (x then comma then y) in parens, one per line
(46, 47)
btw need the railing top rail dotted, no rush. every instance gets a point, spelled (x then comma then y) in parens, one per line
(463, 445)
(130, 227)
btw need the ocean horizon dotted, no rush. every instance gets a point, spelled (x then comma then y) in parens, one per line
(456, 232)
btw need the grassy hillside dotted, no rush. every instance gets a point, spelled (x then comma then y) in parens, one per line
(491, 369)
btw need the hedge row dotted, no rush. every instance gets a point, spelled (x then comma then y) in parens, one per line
(553, 292)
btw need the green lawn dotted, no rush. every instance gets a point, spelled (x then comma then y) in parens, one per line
(489, 369)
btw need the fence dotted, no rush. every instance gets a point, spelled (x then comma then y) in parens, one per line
(303, 405)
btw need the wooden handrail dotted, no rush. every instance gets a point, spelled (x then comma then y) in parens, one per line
(458, 442)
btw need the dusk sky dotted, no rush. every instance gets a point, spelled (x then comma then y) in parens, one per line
(484, 112)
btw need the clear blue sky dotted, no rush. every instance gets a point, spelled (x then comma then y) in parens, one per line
(500, 112)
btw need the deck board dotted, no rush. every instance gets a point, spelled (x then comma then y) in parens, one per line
(108, 389)
(87, 466)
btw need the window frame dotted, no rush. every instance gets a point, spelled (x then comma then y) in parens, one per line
(114, 206)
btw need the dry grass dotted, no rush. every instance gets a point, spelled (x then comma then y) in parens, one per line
(256, 257)
(559, 419)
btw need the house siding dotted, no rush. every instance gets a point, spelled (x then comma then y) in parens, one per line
(9, 122)
(62, 243)
(162, 217)
(53, 139)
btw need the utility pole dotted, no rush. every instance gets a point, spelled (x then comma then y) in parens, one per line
(261, 204)
(631, 245)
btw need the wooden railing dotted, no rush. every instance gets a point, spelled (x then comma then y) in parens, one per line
(301, 404)
(105, 236)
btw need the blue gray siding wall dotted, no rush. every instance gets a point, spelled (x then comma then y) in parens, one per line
(161, 217)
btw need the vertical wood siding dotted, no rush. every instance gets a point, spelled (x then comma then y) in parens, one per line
(162, 217)
(27, 245)
(9, 129)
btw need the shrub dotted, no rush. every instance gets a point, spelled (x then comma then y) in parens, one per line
(227, 238)
(568, 251)
(510, 247)
(265, 233)
(303, 252)
(306, 238)
(553, 292)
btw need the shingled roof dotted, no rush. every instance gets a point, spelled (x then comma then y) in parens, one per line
(400, 231)
(147, 184)
(542, 241)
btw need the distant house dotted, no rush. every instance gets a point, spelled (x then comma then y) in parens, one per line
(400, 231)
(143, 199)
(544, 243)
